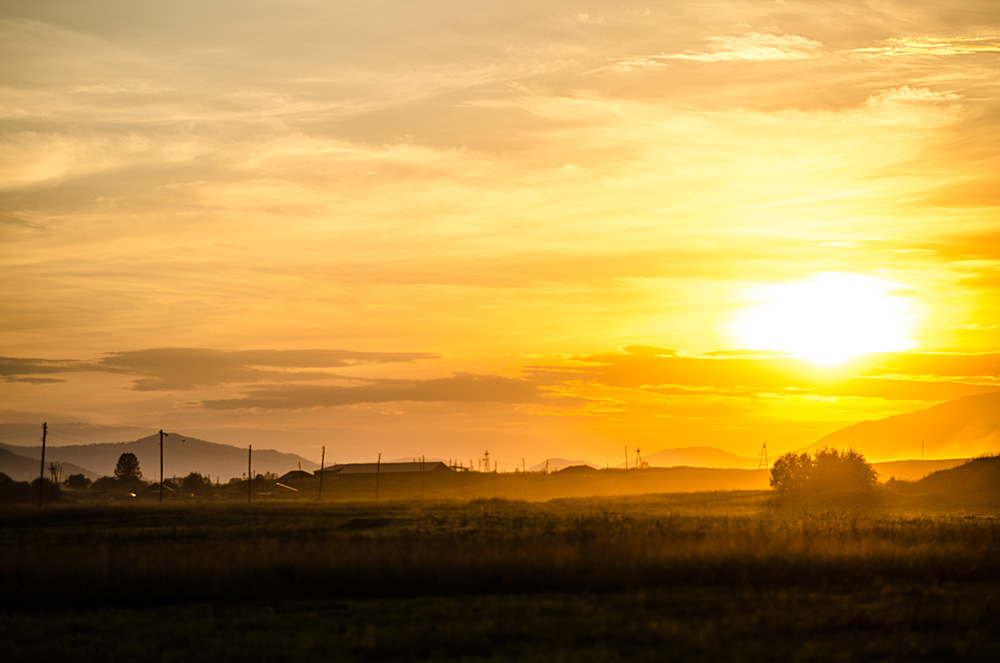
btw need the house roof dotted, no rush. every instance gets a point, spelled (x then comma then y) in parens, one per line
(295, 474)
(386, 468)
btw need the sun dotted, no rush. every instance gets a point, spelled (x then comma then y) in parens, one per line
(828, 318)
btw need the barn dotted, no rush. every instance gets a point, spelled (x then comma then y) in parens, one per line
(360, 469)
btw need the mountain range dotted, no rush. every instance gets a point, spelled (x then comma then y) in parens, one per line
(699, 457)
(959, 428)
(181, 456)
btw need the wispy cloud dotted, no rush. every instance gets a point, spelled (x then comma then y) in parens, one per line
(459, 388)
(749, 47)
(932, 45)
(161, 369)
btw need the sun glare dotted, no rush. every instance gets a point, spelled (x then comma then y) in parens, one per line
(829, 318)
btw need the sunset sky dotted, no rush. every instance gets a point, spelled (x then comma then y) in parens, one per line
(539, 228)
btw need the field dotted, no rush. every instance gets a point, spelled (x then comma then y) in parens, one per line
(692, 577)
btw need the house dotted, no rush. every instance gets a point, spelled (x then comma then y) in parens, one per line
(297, 479)
(356, 469)
(152, 491)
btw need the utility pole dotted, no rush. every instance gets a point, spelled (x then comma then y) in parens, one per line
(378, 471)
(41, 473)
(626, 456)
(423, 477)
(162, 435)
(322, 466)
(249, 473)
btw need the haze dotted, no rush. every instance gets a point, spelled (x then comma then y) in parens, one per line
(532, 228)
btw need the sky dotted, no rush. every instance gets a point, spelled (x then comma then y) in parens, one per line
(536, 228)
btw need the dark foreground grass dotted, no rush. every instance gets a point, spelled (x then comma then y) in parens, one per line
(710, 577)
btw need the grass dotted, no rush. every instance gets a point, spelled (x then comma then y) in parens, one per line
(705, 577)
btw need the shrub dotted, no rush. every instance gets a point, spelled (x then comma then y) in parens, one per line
(77, 482)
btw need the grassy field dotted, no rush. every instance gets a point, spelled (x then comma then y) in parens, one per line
(710, 576)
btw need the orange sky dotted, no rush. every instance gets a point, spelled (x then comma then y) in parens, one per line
(437, 228)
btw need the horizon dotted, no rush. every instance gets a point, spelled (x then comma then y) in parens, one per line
(557, 230)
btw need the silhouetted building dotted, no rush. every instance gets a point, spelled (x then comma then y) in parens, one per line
(348, 469)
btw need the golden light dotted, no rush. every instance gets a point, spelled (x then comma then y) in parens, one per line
(828, 318)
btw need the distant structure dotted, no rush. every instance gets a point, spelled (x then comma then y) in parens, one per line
(762, 459)
(351, 469)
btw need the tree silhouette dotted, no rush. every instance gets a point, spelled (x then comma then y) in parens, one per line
(827, 472)
(195, 484)
(127, 468)
(77, 482)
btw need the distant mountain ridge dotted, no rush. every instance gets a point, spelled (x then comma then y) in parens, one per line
(181, 456)
(959, 428)
(700, 457)
(22, 468)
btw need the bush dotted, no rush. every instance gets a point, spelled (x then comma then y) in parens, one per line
(77, 482)
(12, 492)
(50, 490)
(196, 484)
(825, 474)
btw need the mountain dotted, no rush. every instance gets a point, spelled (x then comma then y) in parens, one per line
(22, 468)
(556, 464)
(62, 433)
(181, 456)
(960, 428)
(699, 457)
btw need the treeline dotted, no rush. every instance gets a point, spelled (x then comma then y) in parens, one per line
(128, 483)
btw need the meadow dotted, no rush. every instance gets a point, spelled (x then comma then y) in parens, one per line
(697, 576)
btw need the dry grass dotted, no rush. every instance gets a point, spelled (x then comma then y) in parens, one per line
(149, 555)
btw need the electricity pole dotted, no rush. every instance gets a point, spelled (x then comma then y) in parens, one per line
(162, 435)
(322, 466)
(249, 473)
(41, 474)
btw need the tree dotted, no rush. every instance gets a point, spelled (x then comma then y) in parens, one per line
(834, 470)
(827, 472)
(196, 484)
(127, 468)
(791, 473)
(77, 482)
(50, 489)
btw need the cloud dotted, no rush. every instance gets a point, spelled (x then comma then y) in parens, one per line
(749, 47)
(902, 376)
(907, 94)
(188, 368)
(911, 46)
(18, 369)
(459, 388)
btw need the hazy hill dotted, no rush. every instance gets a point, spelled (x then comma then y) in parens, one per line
(959, 428)
(22, 468)
(699, 457)
(913, 470)
(976, 483)
(181, 456)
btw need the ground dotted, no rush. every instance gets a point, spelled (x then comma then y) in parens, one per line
(718, 576)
